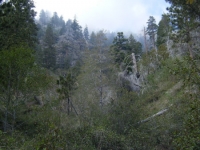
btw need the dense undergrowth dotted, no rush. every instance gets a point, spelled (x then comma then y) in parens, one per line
(117, 124)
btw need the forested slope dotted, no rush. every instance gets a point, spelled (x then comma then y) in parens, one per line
(64, 88)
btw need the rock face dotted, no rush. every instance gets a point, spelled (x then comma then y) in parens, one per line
(131, 81)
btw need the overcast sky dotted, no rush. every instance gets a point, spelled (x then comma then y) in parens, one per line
(111, 15)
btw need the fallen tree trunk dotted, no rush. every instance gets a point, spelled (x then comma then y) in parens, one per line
(153, 116)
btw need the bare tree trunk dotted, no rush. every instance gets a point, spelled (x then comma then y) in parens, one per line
(153, 116)
(146, 46)
(145, 41)
(73, 108)
(101, 90)
(8, 101)
(190, 50)
(134, 62)
(68, 103)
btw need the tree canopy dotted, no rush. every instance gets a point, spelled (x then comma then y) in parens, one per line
(17, 23)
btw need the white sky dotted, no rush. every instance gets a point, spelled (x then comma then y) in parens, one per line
(111, 15)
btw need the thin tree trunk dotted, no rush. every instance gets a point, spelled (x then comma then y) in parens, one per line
(145, 41)
(73, 108)
(68, 102)
(190, 50)
(153, 116)
(8, 101)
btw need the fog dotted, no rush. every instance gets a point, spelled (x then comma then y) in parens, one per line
(111, 15)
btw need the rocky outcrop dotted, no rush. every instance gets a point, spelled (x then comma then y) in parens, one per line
(130, 80)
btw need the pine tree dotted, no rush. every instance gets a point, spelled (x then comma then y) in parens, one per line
(62, 25)
(185, 20)
(78, 35)
(92, 40)
(190, 7)
(163, 30)
(152, 30)
(61, 21)
(86, 34)
(120, 48)
(17, 23)
(135, 47)
(67, 85)
(120, 42)
(77, 30)
(185, 15)
(42, 17)
(55, 20)
(49, 60)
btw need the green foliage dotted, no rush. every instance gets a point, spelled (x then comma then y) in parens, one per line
(11, 142)
(77, 30)
(135, 47)
(67, 84)
(119, 48)
(108, 116)
(43, 17)
(152, 28)
(122, 49)
(188, 137)
(17, 24)
(190, 7)
(86, 34)
(163, 30)
(55, 19)
(37, 80)
(162, 55)
(51, 140)
(92, 40)
(184, 20)
(187, 69)
(49, 60)
(120, 42)
(15, 65)
(97, 40)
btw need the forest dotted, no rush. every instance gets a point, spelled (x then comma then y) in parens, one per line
(63, 88)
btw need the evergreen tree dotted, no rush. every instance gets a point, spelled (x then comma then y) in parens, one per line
(55, 20)
(185, 16)
(77, 29)
(61, 21)
(69, 23)
(42, 17)
(78, 35)
(163, 30)
(67, 85)
(190, 7)
(49, 60)
(119, 48)
(17, 23)
(152, 30)
(135, 47)
(120, 42)
(92, 38)
(86, 34)
(62, 30)
(185, 20)
(62, 25)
